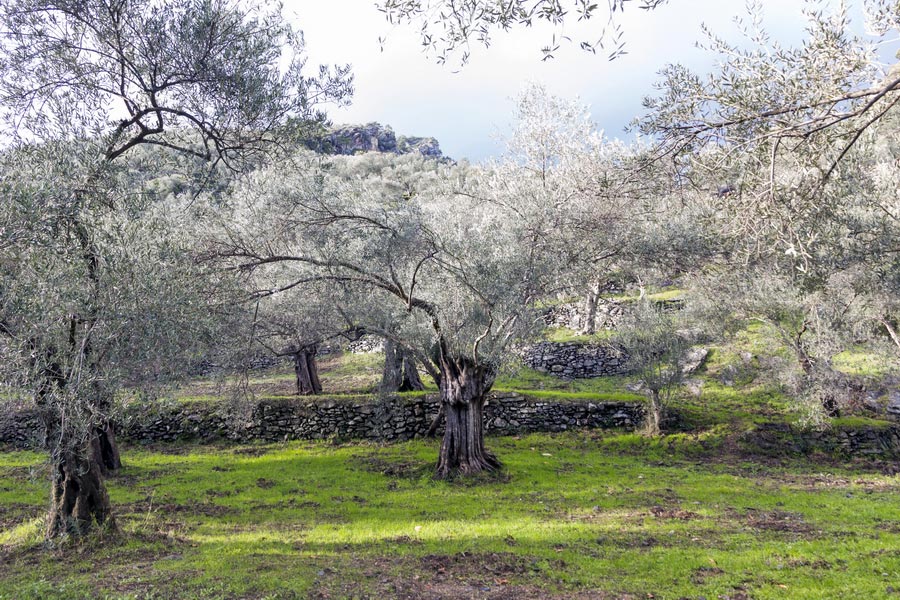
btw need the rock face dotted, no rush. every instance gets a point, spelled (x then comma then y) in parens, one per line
(576, 360)
(373, 137)
(893, 405)
(387, 419)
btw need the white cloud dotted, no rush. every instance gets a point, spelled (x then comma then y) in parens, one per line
(402, 87)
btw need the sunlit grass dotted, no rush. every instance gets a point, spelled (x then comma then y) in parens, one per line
(615, 512)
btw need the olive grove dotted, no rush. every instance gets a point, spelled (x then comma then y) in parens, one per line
(454, 258)
(89, 281)
(787, 153)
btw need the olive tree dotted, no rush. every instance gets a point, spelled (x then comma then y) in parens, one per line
(451, 256)
(657, 344)
(785, 150)
(296, 324)
(596, 192)
(76, 330)
(83, 84)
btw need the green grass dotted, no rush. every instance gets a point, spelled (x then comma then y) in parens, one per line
(532, 382)
(858, 422)
(612, 513)
(564, 334)
(662, 295)
(864, 362)
(583, 514)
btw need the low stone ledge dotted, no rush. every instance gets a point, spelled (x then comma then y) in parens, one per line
(386, 419)
(781, 438)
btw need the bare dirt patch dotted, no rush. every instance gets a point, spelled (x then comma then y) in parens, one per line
(777, 521)
(481, 576)
(14, 513)
(399, 469)
(666, 513)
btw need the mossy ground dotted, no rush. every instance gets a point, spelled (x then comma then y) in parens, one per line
(581, 514)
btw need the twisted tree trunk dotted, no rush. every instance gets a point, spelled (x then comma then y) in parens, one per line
(306, 370)
(78, 498)
(411, 381)
(464, 386)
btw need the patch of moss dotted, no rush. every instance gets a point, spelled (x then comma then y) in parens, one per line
(856, 422)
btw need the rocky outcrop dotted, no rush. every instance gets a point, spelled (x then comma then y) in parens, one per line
(373, 137)
(389, 419)
(576, 360)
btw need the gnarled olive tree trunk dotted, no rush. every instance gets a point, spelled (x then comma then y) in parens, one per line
(81, 454)
(307, 371)
(464, 386)
(400, 373)
(78, 498)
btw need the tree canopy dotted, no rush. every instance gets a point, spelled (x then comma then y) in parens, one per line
(448, 28)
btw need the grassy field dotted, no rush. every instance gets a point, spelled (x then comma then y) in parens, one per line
(577, 515)
(693, 514)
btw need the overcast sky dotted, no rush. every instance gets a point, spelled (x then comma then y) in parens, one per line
(467, 109)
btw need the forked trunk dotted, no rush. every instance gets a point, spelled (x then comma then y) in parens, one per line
(307, 372)
(400, 373)
(78, 498)
(411, 381)
(463, 389)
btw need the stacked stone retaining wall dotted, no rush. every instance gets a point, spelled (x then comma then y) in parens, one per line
(397, 418)
(780, 438)
(576, 360)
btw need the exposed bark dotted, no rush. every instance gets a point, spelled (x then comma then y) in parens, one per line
(78, 498)
(432, 429)
(464, 386)
(393, 367)
(307, 371)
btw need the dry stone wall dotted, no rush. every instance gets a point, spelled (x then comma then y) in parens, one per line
(779, 438)
(575, 360)
(390, 419)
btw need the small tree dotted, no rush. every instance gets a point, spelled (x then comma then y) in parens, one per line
(657, 350)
